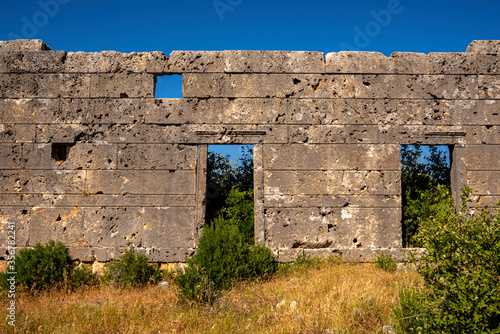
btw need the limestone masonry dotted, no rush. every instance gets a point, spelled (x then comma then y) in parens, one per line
(89, 156)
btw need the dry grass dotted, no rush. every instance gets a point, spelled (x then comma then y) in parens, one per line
(340, 297)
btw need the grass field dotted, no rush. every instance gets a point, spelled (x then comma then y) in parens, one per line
(329, 297)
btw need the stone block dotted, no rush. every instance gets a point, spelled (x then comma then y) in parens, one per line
(489, 86)
(113, 110)
(35, 111)
(122, 85)
(168, 227)
(320, 227)
(482, 135)
(62, 133)
(96, 200)
(482, 157)
(304, 62)
(334, 201)
(140, 182)
(416, 86)
(19, 217)
(484, 63)
(273, 62)
(17, 133)
(42, 181)
(410, 63)
(195, 62)
(184, 111)
(202, 85)
(268, 85)
(484, 182)
(450, 63)
(331, 157)
(106, 62)
(357, 62)
(23, 45)
(157, 63)
(20, 86)
(332, 182)
(32, 62)
(322, 134)
(11, 155)
(156, 156)
(487, 46)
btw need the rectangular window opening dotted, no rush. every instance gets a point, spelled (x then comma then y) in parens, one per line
(168, 86)
(230, 186)
(425, 181)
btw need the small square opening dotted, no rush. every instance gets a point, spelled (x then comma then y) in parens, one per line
(169, 86)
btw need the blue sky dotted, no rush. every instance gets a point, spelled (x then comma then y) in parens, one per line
(327, 25)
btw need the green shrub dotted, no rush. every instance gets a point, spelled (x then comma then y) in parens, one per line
(43, 266)
(239, 211)
(82, 276)
(461, 268)
(132, 269)
(386, 262)
(223, 258)
(411, 315)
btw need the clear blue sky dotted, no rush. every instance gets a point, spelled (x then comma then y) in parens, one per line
(327, 25)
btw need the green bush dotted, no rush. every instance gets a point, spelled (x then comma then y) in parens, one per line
(386, 262)
(132, 269)
(238, 211)
(43, 266)
(223, 258)
(410, 314)
(461, 268)
(83, 276)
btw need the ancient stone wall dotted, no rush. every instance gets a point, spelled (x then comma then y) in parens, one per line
(89, 157)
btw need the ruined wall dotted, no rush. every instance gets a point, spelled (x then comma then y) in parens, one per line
(89, 157)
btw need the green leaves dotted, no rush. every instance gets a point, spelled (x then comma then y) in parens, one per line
(461, 267)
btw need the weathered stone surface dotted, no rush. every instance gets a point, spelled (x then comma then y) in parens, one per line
(337, 200)
(156, 156)
(268, 85)
(357, 62)
(122, 85)
(44, 86)
(489, 86)
(273, 62)
(484, 182)
(32, 62)
(332, 157)
(331, 182)
(16, 133)
(416, 86)
(89, 157)
(195, 62)
(42, 181)
(482, 157)
(95, 200)
(24, 45)
(332, 227)
(484, 46)
(184, 111)
(140, 182)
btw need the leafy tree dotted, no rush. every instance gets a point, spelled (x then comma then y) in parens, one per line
(461, 271)
(224, 175)
(421, 178)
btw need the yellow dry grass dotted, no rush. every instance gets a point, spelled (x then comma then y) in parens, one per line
(331, 297)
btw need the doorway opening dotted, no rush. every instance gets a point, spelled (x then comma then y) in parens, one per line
(230, 187)
(425, 183)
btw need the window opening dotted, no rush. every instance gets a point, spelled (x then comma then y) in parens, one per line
(425, 182)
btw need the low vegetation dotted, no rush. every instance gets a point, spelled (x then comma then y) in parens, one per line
(233, 286)
(313, 296)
